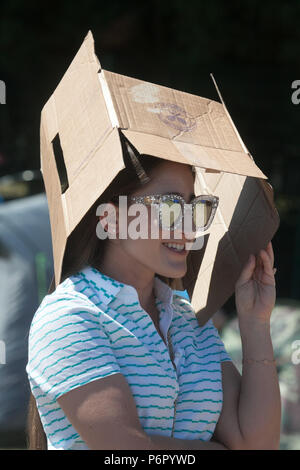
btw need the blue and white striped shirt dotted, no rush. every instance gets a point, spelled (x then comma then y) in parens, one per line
(93, 326)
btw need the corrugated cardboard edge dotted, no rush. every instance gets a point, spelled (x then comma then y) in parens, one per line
(230, 118)
(225, 267)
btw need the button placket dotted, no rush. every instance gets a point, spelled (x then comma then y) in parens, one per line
(172, 358)
(160, 346)
(165, 319)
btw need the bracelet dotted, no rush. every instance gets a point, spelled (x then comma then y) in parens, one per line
(261, 361)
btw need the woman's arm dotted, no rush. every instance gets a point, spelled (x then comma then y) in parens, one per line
(104, 414)
(251, 413)
(252, 408)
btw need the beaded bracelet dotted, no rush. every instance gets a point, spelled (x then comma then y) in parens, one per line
(261, 361)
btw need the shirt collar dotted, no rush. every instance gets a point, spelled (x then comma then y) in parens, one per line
(108, 288)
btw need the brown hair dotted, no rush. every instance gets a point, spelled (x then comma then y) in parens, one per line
(88, 250)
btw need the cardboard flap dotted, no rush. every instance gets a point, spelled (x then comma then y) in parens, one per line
(192, 154)
(175, 115)
(103, 167)
(246, 220)
(175, 125)
(76, 118)
(73, 110)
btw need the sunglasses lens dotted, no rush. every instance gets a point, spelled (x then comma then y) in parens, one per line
(170, 212)
(202, 213)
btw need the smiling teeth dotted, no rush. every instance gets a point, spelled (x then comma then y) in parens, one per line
(175, 245)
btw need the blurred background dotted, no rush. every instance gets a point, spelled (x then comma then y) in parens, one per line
(251, 47)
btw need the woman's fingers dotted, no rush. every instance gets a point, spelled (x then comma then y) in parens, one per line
(267, 265)
(270, 252)
(258, 265)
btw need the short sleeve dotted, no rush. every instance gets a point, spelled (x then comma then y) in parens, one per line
(224, 356)
(67, 347)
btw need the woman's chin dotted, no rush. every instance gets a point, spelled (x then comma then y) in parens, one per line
(173, 273)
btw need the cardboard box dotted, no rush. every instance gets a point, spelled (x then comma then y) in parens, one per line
(89, 113)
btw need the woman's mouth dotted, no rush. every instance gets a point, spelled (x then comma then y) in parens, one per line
(178, 248)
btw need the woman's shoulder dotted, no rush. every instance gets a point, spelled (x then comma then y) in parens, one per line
(66, 301)
(184, 311)
(183, 308)
(182, 304)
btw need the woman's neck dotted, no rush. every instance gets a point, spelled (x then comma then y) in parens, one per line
(137, 276)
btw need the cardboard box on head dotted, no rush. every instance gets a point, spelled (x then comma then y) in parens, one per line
(86, 118)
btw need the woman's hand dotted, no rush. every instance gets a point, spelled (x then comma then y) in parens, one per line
(255, 291)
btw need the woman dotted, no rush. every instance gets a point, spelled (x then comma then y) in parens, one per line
(101, 345)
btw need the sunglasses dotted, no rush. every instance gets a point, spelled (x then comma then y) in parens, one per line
(172, 207)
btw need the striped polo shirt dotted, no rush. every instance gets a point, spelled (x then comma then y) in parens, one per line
(93, 326)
